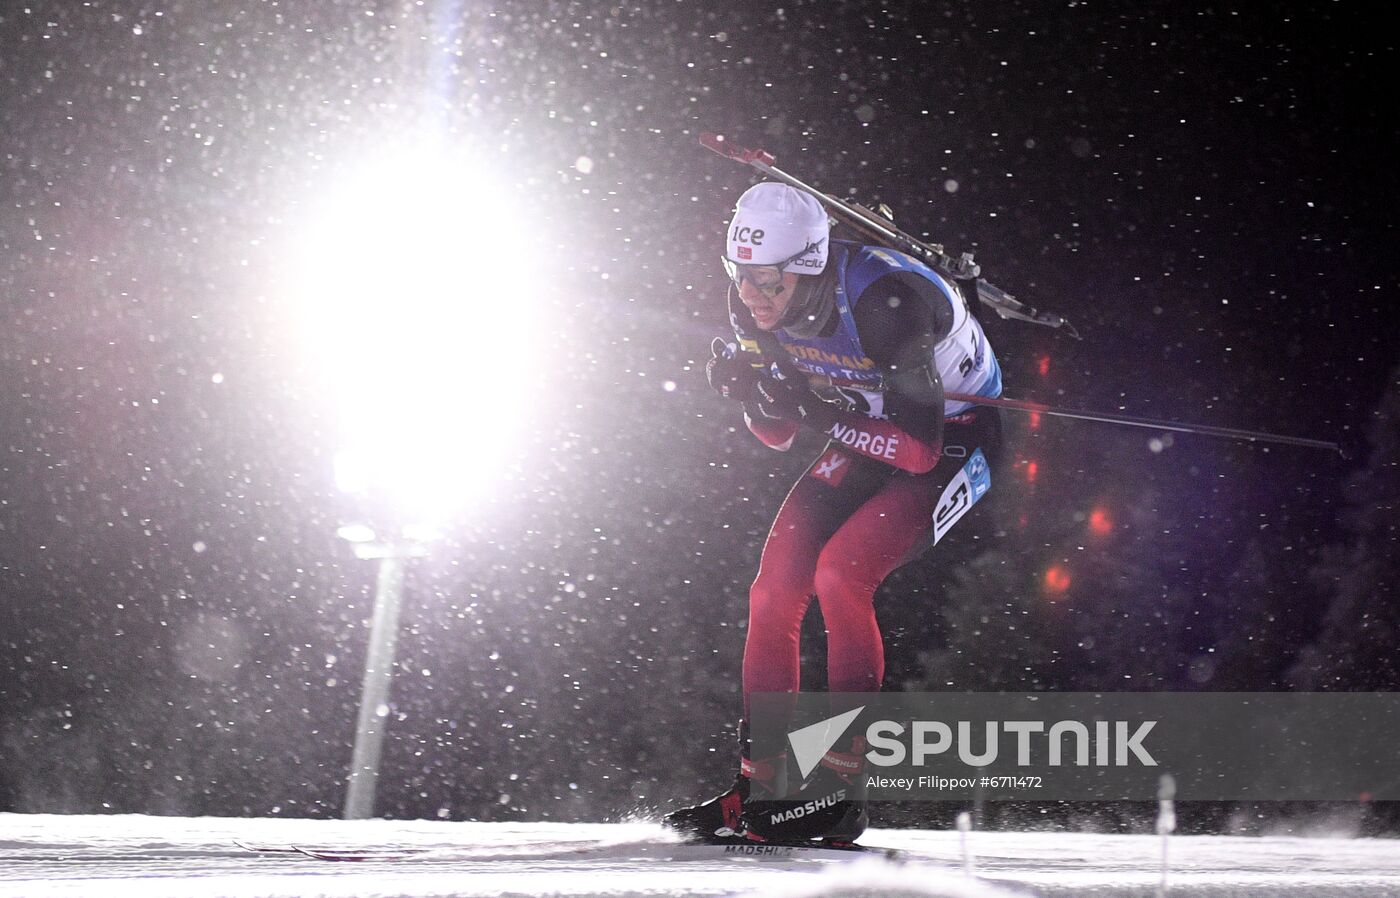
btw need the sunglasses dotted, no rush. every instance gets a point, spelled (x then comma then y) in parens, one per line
(766, 278)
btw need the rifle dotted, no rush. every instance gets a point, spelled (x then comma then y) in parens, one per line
(879, 228)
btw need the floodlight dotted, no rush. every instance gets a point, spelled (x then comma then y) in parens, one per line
(416, 294)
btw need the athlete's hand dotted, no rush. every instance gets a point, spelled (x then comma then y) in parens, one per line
(791, 400)
(732, 376)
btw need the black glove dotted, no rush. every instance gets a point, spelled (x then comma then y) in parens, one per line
(732, 378)
(792, 400)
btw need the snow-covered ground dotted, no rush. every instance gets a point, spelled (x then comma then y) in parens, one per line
(155, 857)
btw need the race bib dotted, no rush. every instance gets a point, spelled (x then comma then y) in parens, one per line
(970, 484)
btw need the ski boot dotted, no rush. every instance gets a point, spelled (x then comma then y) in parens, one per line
(828, 808)
(721, 817)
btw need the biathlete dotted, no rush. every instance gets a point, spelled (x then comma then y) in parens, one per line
(857, 343)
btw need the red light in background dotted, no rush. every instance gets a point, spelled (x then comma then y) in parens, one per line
(1100, 522)
(1057, 579)
(1042, 365)
(1031, 470)
(1035, 420)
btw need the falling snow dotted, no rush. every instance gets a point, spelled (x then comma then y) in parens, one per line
(1208, 193)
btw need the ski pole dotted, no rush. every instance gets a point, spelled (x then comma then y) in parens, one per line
(1253, 436)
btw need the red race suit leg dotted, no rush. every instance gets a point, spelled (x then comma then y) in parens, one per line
(833, 487)
(846, 524)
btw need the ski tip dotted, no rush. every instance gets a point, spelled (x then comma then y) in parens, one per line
(362, 854)
(718, 144)
(264, 849)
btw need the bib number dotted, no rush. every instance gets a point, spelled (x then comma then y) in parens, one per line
(970, 484)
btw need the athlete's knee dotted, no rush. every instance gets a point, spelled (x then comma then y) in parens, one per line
(773, 603)
(841, 582)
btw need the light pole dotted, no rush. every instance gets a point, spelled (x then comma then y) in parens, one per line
(373, 720)
(394, 269)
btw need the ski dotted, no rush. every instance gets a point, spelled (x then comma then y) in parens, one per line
(795, 850)
(334, 853)
(265, 849)
(363, 854)
(739, 849)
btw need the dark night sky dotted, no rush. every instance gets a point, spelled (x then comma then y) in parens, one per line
(1208, 193)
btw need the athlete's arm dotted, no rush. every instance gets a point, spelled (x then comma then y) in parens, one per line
(901, 318)
(776, 433)
(792, 400)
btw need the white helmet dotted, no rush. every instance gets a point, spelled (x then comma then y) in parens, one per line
(775, 224)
